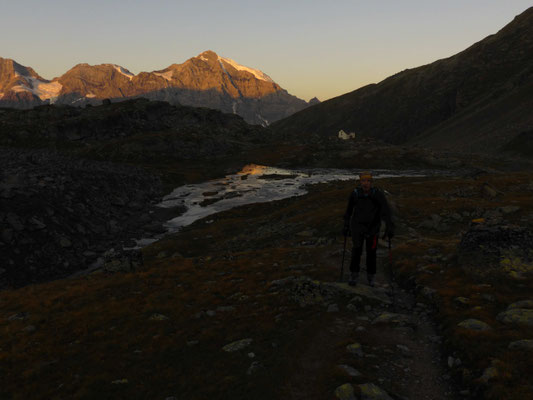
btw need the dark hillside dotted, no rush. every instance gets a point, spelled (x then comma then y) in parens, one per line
(475, 90)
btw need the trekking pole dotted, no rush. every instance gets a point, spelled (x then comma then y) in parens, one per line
(393, 278)
(343, 253)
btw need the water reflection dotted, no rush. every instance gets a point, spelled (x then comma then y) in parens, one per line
(253, 184)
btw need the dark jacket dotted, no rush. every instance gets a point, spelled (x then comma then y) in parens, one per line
(365, 212)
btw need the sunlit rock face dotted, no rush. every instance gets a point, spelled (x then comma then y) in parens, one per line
(252, 169)
(22, 87)
(206, 80)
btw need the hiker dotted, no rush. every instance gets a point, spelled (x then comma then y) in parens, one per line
(367, 206)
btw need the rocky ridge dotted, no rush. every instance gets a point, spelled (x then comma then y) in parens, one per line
(130, 130)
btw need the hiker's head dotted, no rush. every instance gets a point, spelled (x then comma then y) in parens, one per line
(366, 180)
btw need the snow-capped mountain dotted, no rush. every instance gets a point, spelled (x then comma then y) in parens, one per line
(22, 87)
(206, 80)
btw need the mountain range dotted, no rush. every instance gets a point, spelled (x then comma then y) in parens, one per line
(479, 100)
(207, 80)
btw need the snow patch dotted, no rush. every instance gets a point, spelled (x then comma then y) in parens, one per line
(264, 122)
(203, 58)
(123, 71)
(224, 69)
(91, 96)
(45, 90)
(255, 72)
(234, 107)
(21, 88)
(1, 95)
(167, 75)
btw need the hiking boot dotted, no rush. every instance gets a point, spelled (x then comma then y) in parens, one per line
(353, 279)
(371, 280)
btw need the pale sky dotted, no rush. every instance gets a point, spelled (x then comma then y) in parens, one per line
(310, 48)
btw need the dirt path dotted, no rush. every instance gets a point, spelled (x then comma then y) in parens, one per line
(401, 356)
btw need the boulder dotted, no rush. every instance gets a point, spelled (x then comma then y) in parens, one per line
(356, 349)
(521, 304)
(122, 260)
(474, 325)
(517, 316)
(350, 371)
(490, 372)
(369, 391)
(237, 345)
(345, 392)
(524, 344)
(388, 318)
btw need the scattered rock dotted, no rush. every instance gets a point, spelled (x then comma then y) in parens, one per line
(428, 293)
(461, 301)
(488, 191)
(120, 382)
(61, 208)
(393, 319)
(474, 325)
(404, 350)
(509, 209)
(369, 391)
(64, 242)
(350, 371)
(333, 308)
(237, 345)
(345, 392)
(122, 260)
(158, 317)
(525, 344)
(225, 308)
(521, 304)
(360, 291)
(254, 367)
(490, 373)
(454, 362)
(306, 233)
(352, 307)
(496, 251)
(29, 329)
(355, 349)
(517, 316)
(18, 316)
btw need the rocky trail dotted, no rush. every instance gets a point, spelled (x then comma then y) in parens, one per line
(383, 342)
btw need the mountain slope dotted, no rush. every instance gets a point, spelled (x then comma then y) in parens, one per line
(203, 81)
(476, 98)
(22, 87)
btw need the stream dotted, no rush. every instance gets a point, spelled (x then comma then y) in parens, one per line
(255, 184)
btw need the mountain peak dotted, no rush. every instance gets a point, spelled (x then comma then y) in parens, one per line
(211, 57)
(208, 56)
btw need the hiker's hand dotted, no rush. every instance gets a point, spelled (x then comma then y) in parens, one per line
(346, 230)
